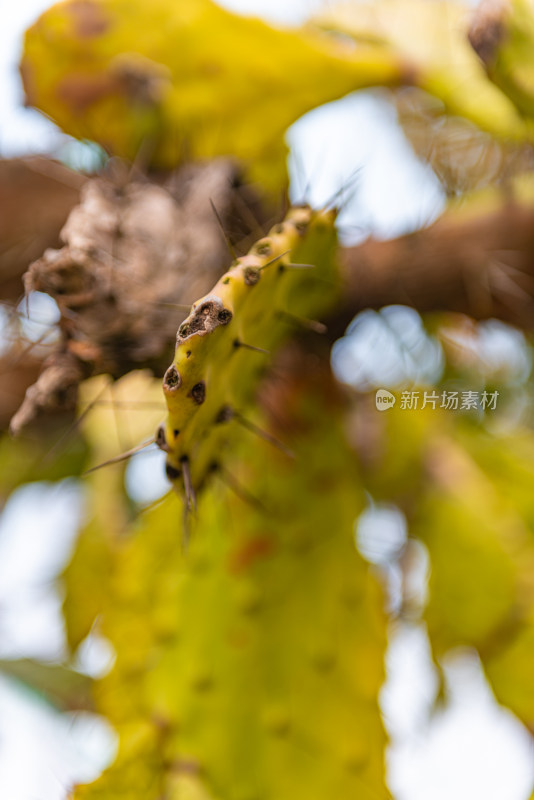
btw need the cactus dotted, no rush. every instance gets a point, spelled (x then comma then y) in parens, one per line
(225, 342)
(248, 669)
(251, 668)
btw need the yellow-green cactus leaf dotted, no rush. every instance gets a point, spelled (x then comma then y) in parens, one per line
(251, 667)
(168, 80)
(431, 38)
(503, 36)
(114, 418)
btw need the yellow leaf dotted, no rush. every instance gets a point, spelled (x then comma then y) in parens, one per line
(166, 80)
(431, 40)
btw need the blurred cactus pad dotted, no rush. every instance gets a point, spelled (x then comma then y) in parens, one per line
(251, 666)
(164, 82)
(180, 80)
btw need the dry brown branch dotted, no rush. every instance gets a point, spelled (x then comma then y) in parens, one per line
(36, 197)
(135, 255)
(480, 265)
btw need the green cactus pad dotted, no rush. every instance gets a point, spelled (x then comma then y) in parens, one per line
(224, 345)
(251, 668)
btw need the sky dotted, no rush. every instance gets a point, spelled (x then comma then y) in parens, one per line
(469, 750)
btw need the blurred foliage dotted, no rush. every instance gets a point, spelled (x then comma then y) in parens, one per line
(199, 82)
(502, 34)
(464, 157)
(202, 81)
(250, 667)
(431, 40)
(469, 499)
(253, 664)
(37, 457)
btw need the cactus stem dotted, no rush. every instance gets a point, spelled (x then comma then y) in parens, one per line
(309, 324)
(253, 347)
(267, 437)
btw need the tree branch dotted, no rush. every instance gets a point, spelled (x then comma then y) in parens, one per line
(480, 265)
(36, 197)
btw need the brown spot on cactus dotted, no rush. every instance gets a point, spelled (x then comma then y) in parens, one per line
(140, 79)
(225, 414)
(224, 316)
(251, 275)
(250, 552)
(171, 380)
(161, 440)
(263, 247)
(488, 30)
(89, 19)
(198, 393)
(79, 91)
(204, 318)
